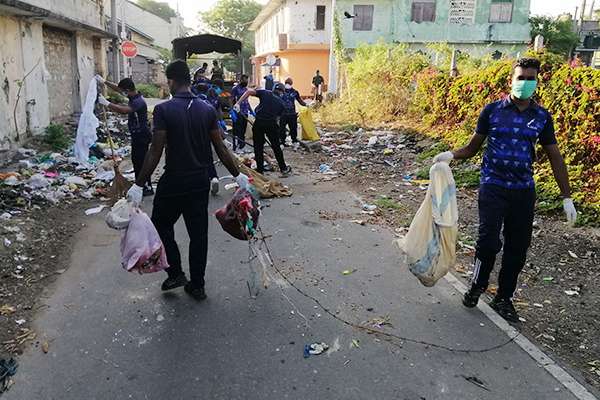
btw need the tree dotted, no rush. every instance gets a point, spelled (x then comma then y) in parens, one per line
(558, 34)
(232, 18)
(158, 8)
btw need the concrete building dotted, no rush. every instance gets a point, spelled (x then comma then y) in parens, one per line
(477, 27)
(59, 46)
(589, 47)
(152, 35)
(297, 33)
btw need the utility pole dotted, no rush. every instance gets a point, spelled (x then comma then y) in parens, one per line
(332, 84)
(124, 37)
(115, 41)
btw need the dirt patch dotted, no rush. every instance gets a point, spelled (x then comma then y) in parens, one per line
(35, 250)
(559, 289)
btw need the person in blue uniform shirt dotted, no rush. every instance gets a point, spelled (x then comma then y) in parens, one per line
(241, 122)
(512, 127)
(268, 112)
(290, 116)
(184, 128)
(137, 122)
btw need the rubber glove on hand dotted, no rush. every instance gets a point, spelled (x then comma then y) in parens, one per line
(135, 195)
(236, 108)
(243, 181)
(102, 100)
(100, 79)
(446, 157)
(570, 210)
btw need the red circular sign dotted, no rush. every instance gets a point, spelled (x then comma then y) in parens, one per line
(129, 49)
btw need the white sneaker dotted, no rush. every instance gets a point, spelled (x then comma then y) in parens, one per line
(214, 186)
(296, 146)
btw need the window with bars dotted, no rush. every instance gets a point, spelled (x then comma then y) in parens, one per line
(423, 11)
(363, 20)
(320, 19)
(462, 12)
(501, 11)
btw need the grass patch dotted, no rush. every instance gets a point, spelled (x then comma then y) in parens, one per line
(56, 137)
(148, 90)
(466, 177)
(433, 151)
(388, 204)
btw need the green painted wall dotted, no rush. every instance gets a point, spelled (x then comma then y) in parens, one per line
(392, 23)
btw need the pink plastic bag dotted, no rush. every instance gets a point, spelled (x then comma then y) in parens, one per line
(141, 247)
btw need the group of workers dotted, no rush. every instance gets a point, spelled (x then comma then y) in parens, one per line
(187, 127)
(188, 124)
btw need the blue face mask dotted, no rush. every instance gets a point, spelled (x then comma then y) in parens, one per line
(523, 90)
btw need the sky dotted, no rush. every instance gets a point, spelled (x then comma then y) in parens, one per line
(189, 8)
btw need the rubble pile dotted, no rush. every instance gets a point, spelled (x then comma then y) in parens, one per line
(39, 178)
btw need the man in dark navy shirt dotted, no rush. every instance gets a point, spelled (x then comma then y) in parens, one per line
(241, 122)
(185, 127)
(268, 111)
(512, 127)
(290, 116)
(137, 122)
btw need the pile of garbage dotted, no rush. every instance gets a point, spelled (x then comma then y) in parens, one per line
(38, 177)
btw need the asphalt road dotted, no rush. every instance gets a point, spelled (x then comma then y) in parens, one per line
(115, 335)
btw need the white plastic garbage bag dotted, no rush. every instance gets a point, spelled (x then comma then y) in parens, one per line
(88, 123)
(119, 215)
(430, 244)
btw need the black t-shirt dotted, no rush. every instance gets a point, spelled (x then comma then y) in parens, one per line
(188, 122)
(270, 107)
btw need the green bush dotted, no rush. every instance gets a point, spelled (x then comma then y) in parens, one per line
(116, 98)
(56, 137)
(148, 90)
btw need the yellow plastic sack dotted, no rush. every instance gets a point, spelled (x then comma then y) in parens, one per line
(309, 130)
(430, 244)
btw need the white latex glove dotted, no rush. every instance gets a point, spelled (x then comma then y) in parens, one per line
(243, 181)
(135, 195)
(237, 109)
(446, 157)
(103, 101)
(570, 210)
(100, 79)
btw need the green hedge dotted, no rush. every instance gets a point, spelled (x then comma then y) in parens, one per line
(148, 90)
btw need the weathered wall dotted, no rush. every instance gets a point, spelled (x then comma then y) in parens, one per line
(161, 30)
(59, 75)
(85, 11)
(21, 49)
(297, 19)
(303, 14)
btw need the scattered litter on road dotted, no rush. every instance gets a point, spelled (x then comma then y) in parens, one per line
(314, 349)
(369, 207)
(355, 344)
(572, 292)
(20, 321)
(95, 210)
(476, 381)
(45, 347)
(7, 310)
(348, 271)
(572, 254)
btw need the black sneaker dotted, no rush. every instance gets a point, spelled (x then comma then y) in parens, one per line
(196, 292)
(471, 297)
(286, 172)
(172, 283)
(505, 308)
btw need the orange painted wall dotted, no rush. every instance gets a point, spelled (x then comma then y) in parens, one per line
(301, 67)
